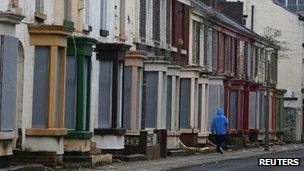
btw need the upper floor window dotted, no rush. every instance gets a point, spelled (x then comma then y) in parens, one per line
(39, 6)
(293, 5)
(196, 42)
(103, 18)
(39, 11)
(122, 17)
(67, 9)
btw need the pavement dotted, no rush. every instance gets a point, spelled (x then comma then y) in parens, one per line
(251, 164)
(203, 161)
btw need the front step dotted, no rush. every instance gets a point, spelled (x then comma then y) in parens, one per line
(179, 152)
(207, 150)
(131, 157)
(77, 159)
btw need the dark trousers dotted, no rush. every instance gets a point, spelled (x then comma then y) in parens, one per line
(219, 140)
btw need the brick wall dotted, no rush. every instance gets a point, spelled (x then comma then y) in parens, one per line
(49, 159)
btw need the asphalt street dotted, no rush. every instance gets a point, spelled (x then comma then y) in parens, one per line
(251, 164)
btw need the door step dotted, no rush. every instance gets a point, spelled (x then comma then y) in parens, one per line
(178, 152)
(131, 157)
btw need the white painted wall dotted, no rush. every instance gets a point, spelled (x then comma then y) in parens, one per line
(268, 14)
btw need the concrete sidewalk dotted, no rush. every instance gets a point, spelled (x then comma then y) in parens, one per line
(172, 163)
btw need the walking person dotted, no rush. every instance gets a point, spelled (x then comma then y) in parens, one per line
(219, 129)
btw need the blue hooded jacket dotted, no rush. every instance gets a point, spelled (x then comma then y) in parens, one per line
(219, 123)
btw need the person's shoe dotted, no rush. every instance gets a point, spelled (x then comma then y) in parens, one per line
(221, 151)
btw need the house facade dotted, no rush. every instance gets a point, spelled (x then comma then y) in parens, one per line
(293, 55)
(102, 77)
(11, 69)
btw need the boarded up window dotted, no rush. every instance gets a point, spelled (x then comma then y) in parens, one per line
(122, 16)
(105, 94)
(142, 18)
(39, 6)
(59, 90)
(216, 100)
(87, 78)
(119, 94)
(252, 110)
(263, 110)
(208, 46)
(87, 12)
(233, 109)
(139, 96)
(168, 26)
(41, 85)
(103, 14)
(8, 82)
(200, 89)
(233, 56)
(127, 97)
(196, 42)
(156, 20)
(169, 102)
(185, 92)
(67, 9)
(221, 54)
(70, 100)
(151, 99)
(215, 51)
(213, 104)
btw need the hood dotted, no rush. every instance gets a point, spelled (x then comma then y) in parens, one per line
(220, 112)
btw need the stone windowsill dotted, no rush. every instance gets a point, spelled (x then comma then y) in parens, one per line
(110, 131)
(10, 18)
(203, 134)
(189, 131)
(184, 52)
(40, 16)
(46, 132)
(133, 133)
(122, 37)
(173, 133)
(8, 135)
(72, 134)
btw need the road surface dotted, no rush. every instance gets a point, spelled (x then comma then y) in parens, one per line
(251, 164)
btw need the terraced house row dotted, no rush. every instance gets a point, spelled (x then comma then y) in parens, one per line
(94, 77)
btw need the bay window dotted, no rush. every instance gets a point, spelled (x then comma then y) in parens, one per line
(111, 59)
(49, 79)
(78, 76)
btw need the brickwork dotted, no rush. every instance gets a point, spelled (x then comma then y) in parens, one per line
(49, 159)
